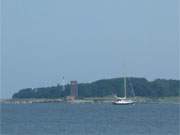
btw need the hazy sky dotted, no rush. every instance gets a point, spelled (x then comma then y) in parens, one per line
(87, 40)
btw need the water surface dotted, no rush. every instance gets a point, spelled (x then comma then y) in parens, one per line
(89, 119)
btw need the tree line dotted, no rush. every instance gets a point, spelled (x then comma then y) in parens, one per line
(107, 87)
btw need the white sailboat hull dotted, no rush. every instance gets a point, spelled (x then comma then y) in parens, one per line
(123, 102)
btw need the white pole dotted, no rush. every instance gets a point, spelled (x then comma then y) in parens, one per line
(63, 84)
(125, 87)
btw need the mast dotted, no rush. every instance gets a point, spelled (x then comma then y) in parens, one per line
(125, 94)
(63, 84)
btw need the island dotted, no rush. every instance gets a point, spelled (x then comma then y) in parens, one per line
(104, 91)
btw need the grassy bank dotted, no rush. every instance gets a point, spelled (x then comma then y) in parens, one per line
(93, 100)
(137, 99)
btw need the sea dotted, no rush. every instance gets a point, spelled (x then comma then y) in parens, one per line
(90, 119)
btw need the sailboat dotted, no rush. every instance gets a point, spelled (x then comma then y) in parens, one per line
(123, 100)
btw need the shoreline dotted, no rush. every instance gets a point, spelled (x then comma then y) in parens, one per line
(91, 100)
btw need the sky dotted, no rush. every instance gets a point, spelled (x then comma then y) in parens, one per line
(86, 40)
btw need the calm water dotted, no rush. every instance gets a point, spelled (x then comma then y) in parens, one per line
(90, 119)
